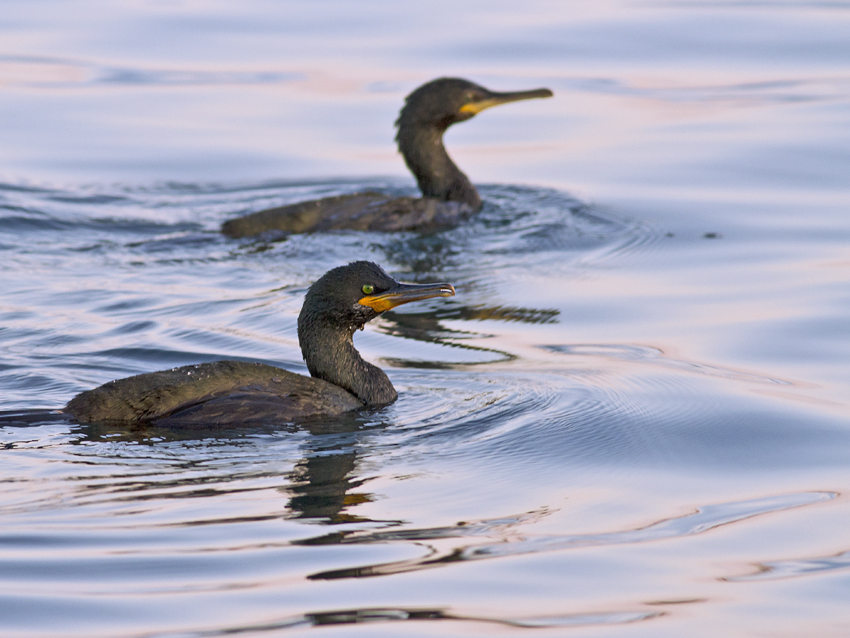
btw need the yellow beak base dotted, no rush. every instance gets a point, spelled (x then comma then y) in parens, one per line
(405, 293)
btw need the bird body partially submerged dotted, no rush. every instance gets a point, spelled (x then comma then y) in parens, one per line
(231, 392)
(210, 394)
(448, 196)
(358, 211)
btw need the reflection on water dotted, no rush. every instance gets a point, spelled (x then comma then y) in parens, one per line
(706, 518)
(791, 568)
(382, 615)
(429, 327)
(323, 483)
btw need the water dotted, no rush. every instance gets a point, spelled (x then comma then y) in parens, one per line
(632, 420)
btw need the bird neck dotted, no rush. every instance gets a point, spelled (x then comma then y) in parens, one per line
(438, 176)
(330, 355)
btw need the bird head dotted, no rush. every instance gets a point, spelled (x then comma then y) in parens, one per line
(445, 101)
(347, 297)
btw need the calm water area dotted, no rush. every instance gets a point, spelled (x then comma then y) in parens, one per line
(633, 420)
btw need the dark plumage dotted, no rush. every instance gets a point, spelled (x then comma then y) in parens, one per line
(228, 392)
(447, 194)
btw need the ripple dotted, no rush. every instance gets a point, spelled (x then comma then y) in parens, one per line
(787, 90)
(649, 354)
(537, 229)
(70, 73)
(706, 518)
(397, 614)
(525, 226)
(190, 288)
(526, 417)
(794, 567)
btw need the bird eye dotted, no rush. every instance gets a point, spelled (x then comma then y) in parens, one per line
(368, 289)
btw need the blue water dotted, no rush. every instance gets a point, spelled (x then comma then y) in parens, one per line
(632, 420)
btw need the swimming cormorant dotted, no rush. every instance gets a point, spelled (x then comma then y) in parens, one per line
(447, 194)
(232, 392)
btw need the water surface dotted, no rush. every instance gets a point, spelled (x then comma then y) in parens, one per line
(632, 419)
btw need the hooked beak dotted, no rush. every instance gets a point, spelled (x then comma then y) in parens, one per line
(405, 293)
(494, 99)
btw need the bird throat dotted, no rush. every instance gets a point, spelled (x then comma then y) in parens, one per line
(331, 356)
(438, 176)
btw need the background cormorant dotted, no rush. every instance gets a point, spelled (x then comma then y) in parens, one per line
(232, 392)
(447, 194)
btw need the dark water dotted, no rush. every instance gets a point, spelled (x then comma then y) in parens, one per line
(632, 420)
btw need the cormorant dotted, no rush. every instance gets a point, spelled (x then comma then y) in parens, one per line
(232, 392)
(447, 194)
